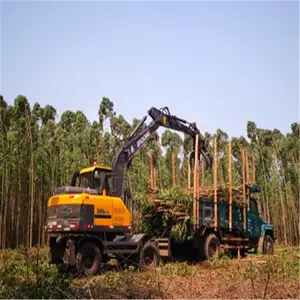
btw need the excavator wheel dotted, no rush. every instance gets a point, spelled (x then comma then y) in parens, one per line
(89, 259)
(149, 257)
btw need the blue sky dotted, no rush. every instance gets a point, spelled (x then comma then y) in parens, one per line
(217, 63)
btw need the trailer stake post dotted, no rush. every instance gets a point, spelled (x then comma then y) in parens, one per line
(195, 181)
(230, 186)
(189, 171)
(247, 179)
(244, 189)
(215, 183)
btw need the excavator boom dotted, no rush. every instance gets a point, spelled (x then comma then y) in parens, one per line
(140, 135)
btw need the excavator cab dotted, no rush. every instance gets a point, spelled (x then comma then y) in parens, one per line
(96, 178)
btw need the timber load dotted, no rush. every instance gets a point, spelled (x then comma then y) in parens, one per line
(223, 193)
(169, 212)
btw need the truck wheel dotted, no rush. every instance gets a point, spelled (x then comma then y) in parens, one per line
(149, 257)
(211, 246)
(88, 259)
(268, 247)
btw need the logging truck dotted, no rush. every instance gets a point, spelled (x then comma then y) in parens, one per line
(89, 221)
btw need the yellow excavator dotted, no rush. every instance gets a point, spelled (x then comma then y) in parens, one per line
(90, 220)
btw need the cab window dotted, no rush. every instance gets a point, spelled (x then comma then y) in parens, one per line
(101, 181)
(86, 180)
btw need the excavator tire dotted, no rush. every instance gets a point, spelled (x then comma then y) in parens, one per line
(89, 259)
(149, 257)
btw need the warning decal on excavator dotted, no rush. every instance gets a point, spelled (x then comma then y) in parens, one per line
(102, 214)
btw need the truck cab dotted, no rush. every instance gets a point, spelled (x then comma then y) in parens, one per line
(254, 234)
(259, 231)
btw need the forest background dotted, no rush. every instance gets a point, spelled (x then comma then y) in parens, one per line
(39, 152)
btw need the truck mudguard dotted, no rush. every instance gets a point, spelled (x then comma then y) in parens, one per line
(265, 229)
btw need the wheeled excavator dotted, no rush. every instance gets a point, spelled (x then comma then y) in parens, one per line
(90, 220)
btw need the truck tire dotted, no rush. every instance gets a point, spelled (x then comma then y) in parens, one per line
(211, 246)
(268, 247)
(89, 259)
(149, 257)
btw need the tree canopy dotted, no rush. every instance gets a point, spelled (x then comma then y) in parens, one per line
(39, 152)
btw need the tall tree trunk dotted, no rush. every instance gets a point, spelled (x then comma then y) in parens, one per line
(283, 214)
(5, 202)
(266, 202)
(12, 218)
(31, 185)
(40, 211)
(2, 205)
(18, 208)
(3, 178)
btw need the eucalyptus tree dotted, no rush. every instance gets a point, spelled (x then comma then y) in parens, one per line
(39, 152)
(173, 145)
(4, 128)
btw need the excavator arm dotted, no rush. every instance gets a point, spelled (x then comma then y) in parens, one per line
(140, 136)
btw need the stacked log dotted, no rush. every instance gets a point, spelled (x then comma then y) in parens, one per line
(170, 212)
(223, 194)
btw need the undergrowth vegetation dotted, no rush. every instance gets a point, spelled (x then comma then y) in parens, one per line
(26, 274)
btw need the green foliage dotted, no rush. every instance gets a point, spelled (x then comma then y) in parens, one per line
(175, 195)
(121, 284)
(26, 274)
(182, 269)
(173, 219)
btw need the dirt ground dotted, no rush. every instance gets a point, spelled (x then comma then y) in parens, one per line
(257, 277)
(26, 274)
